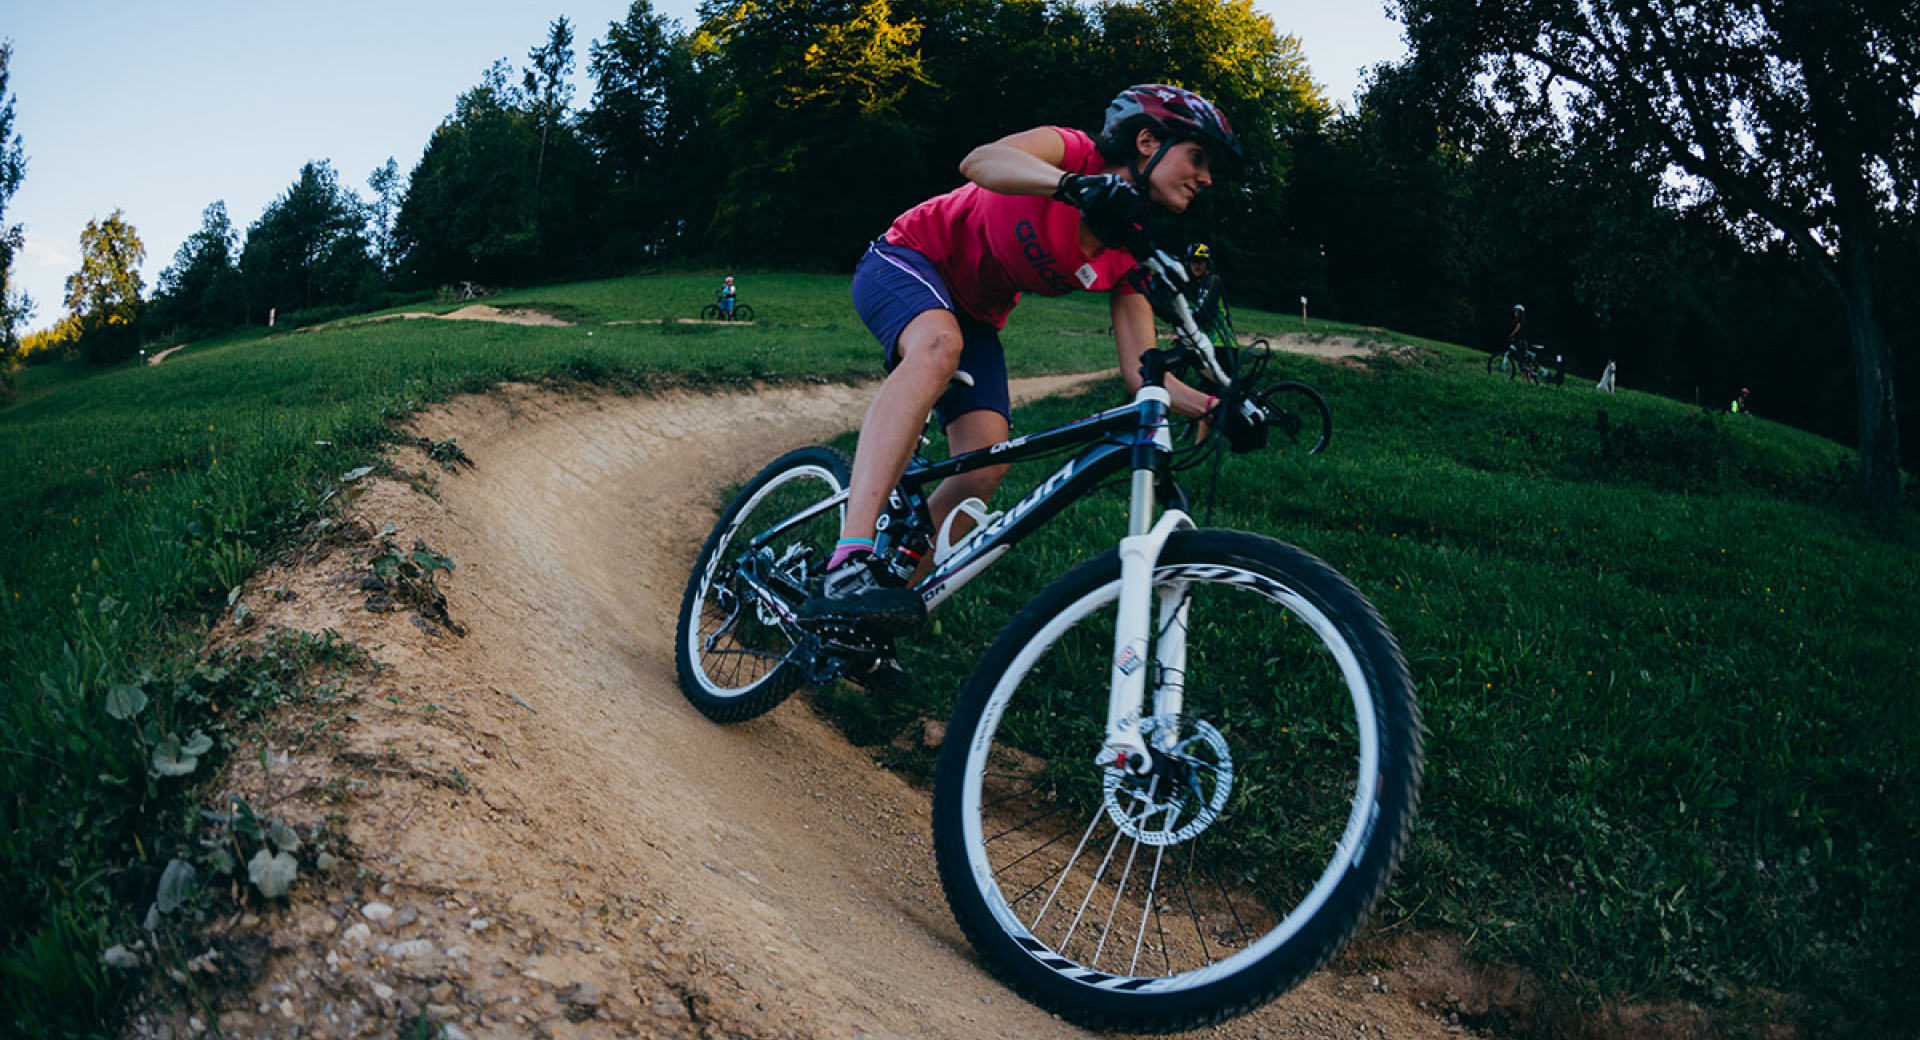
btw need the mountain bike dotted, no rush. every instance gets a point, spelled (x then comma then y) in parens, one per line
(1182, 774)
(738, 312)
(1529, 361)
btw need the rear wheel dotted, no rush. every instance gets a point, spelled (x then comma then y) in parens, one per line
(742, 312)
(735, 635)
(1298, 414)
(1277, 803)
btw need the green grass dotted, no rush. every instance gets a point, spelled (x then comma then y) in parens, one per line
(1668, 671)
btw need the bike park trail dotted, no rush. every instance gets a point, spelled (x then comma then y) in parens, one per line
(539, 837)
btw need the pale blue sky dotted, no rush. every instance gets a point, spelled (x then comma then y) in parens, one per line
(160, 109)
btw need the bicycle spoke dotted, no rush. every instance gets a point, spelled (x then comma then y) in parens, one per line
(1252, 809)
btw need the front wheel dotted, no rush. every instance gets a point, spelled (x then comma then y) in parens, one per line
(735, 635)
(711, 312)
(1284, 775)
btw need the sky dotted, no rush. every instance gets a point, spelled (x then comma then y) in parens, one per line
(161, 109)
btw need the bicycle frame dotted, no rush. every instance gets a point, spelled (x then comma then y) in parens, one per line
(1134, 436)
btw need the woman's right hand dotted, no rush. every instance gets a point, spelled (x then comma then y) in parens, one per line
(1112, 209)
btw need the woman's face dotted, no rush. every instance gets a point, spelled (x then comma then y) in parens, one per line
(1182, 174)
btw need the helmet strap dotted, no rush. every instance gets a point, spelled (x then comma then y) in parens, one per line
(1141, 174)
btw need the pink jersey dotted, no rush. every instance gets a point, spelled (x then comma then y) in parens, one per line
(990, 248)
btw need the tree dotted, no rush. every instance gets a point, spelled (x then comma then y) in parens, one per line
(389, 191)
(809, 114)
(645, 107)
(308, 247)
(1794, 118)
(104, 295)
(13, 168)
(473, 210)
(546, 86)
(200, 290)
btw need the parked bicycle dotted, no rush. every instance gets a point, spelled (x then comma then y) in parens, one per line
(1183, 773)
(717, 311)
(1529, 361)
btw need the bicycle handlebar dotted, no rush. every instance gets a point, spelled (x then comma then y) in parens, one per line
(1168, 289)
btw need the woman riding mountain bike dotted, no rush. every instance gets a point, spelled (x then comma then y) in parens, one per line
(1184, 772)
(1049, 210)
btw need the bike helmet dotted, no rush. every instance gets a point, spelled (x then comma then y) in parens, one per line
(1199, 251)
(1174, 114)
(1519, 309)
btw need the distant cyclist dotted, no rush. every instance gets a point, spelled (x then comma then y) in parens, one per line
(1209, 289)
(1047, 211)
(726, 296)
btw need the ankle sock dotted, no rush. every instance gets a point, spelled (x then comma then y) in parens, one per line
(846, 548)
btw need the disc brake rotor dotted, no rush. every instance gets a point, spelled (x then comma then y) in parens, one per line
(1184, 789)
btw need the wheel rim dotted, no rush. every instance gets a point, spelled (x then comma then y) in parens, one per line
(1099, 907)
(737, 639)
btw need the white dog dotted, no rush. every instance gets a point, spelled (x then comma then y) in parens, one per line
(1606, 379)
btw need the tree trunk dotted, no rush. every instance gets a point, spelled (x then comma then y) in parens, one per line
(1873, 372)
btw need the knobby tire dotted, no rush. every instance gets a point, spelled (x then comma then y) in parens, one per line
(1296, 761)
(731, 649)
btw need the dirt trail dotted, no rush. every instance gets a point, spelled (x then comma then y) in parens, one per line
(546, 840)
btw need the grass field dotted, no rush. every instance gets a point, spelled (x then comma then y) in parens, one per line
(1668, 670)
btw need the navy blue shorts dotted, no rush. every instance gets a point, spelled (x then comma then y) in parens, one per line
(892, 285)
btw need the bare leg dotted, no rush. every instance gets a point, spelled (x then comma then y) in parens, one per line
(929, 352)
(972, 431)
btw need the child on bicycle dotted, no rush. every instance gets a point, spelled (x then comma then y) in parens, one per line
(725, 297)
(1048, 210)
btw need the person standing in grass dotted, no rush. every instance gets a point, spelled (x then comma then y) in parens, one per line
(1049, 210)
(728, 294)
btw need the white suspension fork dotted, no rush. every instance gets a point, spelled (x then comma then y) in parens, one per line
(1134, 627)
(1133, 642)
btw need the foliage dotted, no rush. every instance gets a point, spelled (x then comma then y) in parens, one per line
(389, 190)
(103, 297)
(1793, 118)
(13, 168)
(308, 248)
(501, 194)
(645, 108)
(201, 290)
(546, 87)
(58, 343)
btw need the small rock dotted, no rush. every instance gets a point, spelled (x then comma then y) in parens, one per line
(442, 1012)
(358, 933)
(376, 912)
(411, 948)
(383, 991)
(405, 916)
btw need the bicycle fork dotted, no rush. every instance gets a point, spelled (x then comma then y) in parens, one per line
(1145, 632)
